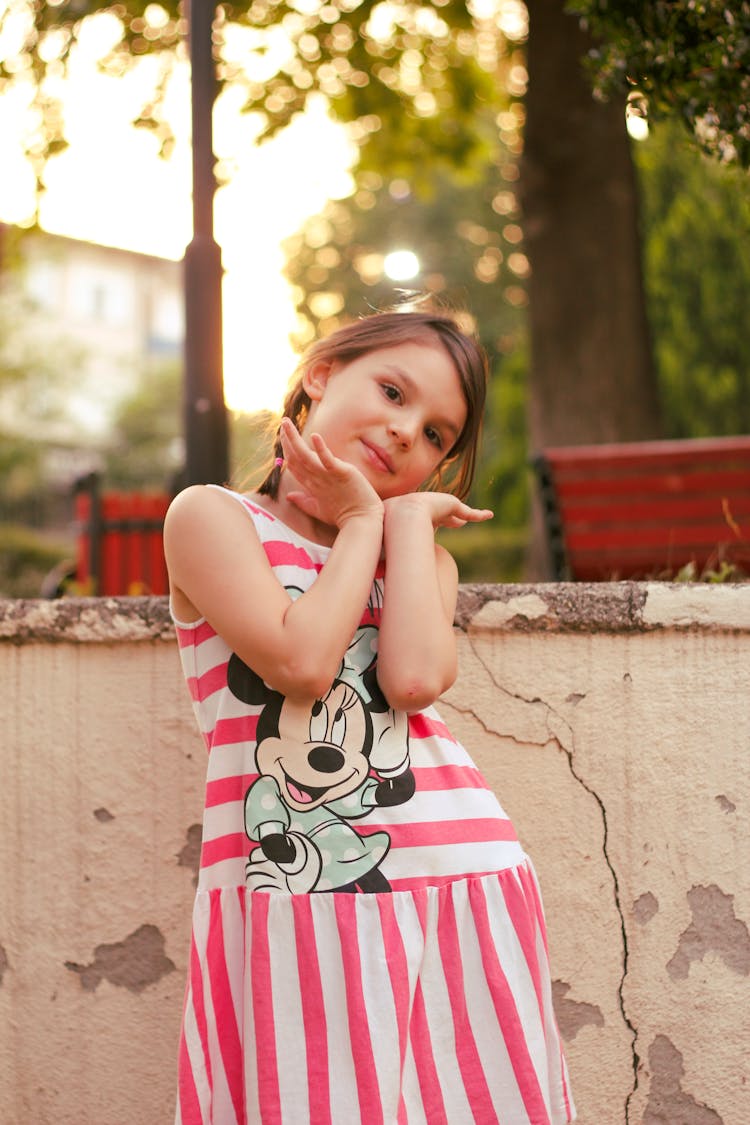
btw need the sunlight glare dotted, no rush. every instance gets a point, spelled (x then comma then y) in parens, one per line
(401, 265)
(110, 186)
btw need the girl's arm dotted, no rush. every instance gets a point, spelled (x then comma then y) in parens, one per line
(416, 643)
(216, 561)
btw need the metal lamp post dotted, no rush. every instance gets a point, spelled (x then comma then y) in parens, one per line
(205, 419)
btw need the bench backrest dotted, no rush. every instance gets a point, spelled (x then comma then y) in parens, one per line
(646, 509)
(119, 546)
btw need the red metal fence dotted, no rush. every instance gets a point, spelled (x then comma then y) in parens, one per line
(119, 545)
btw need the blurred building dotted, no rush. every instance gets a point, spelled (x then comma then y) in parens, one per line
(82, 326)
(109, 314)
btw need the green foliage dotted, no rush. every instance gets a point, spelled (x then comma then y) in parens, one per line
(503, 480)
(145, 450)
(467, 238)
(26, 557)
(250, 445)
(716, 574)
(409, 74)
(696, 222)
(486, 552)
(689, 57)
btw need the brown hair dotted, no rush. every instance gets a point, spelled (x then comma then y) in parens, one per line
(387, 330)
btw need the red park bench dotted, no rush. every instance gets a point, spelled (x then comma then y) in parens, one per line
(119, 541)
(647, 509)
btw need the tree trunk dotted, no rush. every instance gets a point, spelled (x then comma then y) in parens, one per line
(592, 377)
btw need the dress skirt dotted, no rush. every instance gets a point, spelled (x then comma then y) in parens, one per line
(422, 1007)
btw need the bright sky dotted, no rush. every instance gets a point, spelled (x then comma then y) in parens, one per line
(110, 186)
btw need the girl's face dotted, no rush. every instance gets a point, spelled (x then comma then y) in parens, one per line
(394, 413)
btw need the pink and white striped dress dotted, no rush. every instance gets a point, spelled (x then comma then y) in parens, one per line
(368, 942)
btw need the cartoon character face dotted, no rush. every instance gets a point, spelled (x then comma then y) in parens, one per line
(317, 753)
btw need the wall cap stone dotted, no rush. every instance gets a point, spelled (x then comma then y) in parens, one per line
(605, 607)
(558, 607)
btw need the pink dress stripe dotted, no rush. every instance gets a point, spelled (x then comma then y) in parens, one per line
(314, 1014)
(531, 890)
(188, 1106)
(223, 1008)
(215, 679)
(226, 789)
(399, 975)
(475, 1083)
(507, 1013)
(524, 917)
(239, 728)
(429, 1080)
(196, 634)
(437, 779)
(263, 1015)
(359, 1031)
(231, 846)
(447, 832)
(199, 1010)
(285, 554)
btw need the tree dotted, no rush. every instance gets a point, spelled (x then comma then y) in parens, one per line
(143, 450)
(696, 223)
(36, 423)
(689, 59)
(591, 374)
(467, 240)
(409, 79)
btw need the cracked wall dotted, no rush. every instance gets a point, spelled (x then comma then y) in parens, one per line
(613, 722)
(642, 848)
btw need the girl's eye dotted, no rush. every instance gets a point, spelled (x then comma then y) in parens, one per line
(434, 437)
(391, 392)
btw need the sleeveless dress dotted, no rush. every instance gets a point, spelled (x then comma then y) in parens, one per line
(368, 942)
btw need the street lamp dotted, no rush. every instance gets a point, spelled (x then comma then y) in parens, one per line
(205, 414)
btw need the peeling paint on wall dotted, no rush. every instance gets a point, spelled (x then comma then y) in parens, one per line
(714, 929)
(134, 963)
(668, 1103)
(190, 855)
(644, 907)
(571, 705)
(572, 1015)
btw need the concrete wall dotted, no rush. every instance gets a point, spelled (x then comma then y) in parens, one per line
(613, 722)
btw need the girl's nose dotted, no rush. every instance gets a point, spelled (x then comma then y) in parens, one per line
(402, 431)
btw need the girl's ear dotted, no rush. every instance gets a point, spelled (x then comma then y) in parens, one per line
(315, 379)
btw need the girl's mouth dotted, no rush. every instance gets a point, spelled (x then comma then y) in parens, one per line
(378, 457)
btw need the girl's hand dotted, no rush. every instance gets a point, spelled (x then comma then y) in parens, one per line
(442, 508)
(330, 490)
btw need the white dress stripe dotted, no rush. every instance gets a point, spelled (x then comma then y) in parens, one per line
(343, 1082)
(287, 1010)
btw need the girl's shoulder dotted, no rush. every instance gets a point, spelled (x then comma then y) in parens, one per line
(200, 502)
(204, 509)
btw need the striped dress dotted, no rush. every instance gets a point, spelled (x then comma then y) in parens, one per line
(368, 942)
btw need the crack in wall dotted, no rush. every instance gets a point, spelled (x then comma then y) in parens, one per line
(550, 716)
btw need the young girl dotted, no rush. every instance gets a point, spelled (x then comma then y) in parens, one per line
(368, 941)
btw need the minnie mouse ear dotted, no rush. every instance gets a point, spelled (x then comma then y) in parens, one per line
(246, 684)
